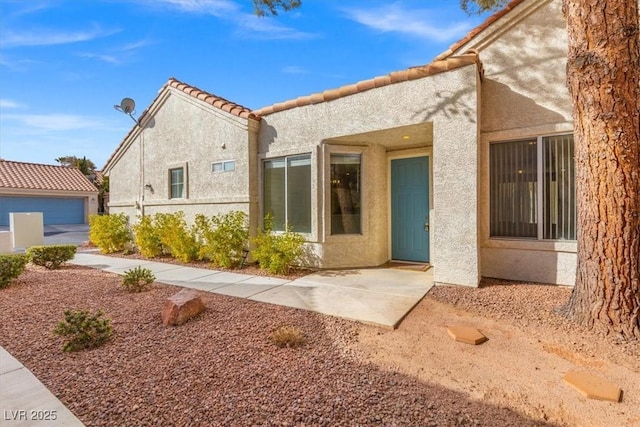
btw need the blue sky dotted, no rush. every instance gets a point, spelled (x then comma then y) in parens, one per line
(65, 63)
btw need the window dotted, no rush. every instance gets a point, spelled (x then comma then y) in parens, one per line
(226, 166)
(176, 183)
(287, 192)
(532, 188)
(345, 194)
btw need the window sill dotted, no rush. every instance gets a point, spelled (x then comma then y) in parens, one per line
(533, 245)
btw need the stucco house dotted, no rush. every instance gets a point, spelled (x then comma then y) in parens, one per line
(64, 195)
(465, 163)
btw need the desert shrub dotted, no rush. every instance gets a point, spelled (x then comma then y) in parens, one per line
(110, 233)
(11, 267)
(288, 336)
(223, 238)
(146, 238)
(51, 256)
(176, 236)
(277, 253)
(137, 279)
(85, 330)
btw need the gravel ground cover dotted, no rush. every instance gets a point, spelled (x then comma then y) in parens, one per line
(220, 368)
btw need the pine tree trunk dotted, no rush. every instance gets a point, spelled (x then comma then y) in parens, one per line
(603, 69)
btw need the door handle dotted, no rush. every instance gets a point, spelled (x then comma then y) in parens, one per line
(426, 226)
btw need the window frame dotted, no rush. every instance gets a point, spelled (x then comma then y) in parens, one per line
(224, 164)
(285, 159)
(185, 181)
(541, 176)
(360, 156)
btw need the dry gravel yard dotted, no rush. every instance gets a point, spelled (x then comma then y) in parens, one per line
(222, 369)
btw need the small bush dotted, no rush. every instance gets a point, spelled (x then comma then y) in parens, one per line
(110, 233)
(11, 267)
(277, 253)
(85, 329)
(138, 279)
(146, 238)
(288, 336)
(52, 256)
(174, 234)
(223, 238)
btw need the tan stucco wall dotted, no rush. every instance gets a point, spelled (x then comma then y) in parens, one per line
(523, 95)
(449, 100)
(184, 131)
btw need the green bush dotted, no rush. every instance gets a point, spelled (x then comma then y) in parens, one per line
(52, 256)
(137, 279)
(174, 234)
(85, 329)
(277, 253)
(11, 267)
(146, 238)
(224, 237)
(110, 233)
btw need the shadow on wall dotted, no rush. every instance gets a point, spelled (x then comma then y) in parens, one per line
(450, 104)
(503, 108)
(268, 135)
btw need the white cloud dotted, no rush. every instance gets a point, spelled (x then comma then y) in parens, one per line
(252, 26)
(418, 23)
(8, 103)
(218, 8)
(294, 69)
(49, 37)
(53, 122)
(101, 57)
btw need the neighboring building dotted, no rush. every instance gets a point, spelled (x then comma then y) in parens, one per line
(64, 195)
(466, 163)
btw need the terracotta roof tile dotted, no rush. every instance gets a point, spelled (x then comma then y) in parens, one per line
(209, 98)
(380, 81)
(33, 176)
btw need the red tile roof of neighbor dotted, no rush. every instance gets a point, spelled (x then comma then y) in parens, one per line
(33, 176)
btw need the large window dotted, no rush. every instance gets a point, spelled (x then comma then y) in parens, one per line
(345, 194)
(533, 188)
(176, 183)
(287, 192)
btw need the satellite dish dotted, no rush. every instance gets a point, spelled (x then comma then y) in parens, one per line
(128, 105)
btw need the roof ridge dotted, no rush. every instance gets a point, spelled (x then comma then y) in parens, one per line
(477, 30)
(212, 99)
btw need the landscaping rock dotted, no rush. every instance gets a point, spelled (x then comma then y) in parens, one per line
(181, 307)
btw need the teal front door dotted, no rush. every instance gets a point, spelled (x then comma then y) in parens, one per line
(410, 209)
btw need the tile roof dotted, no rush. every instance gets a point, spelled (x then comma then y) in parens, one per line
(477, 30)
(209, 98)
(438, 66)
(33, 176)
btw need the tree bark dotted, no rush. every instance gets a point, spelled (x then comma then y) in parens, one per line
(603, 68)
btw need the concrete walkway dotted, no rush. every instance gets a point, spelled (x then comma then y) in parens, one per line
(379, 296)
(376, 296)
(25, 401)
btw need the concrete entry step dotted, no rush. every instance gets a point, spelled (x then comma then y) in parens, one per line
(466, 334)
(592, 386)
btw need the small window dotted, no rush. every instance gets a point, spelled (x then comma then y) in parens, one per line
(226, 166)
(176, 183)
(345, 194)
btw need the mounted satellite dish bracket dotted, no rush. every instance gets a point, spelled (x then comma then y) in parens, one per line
(128, 107)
